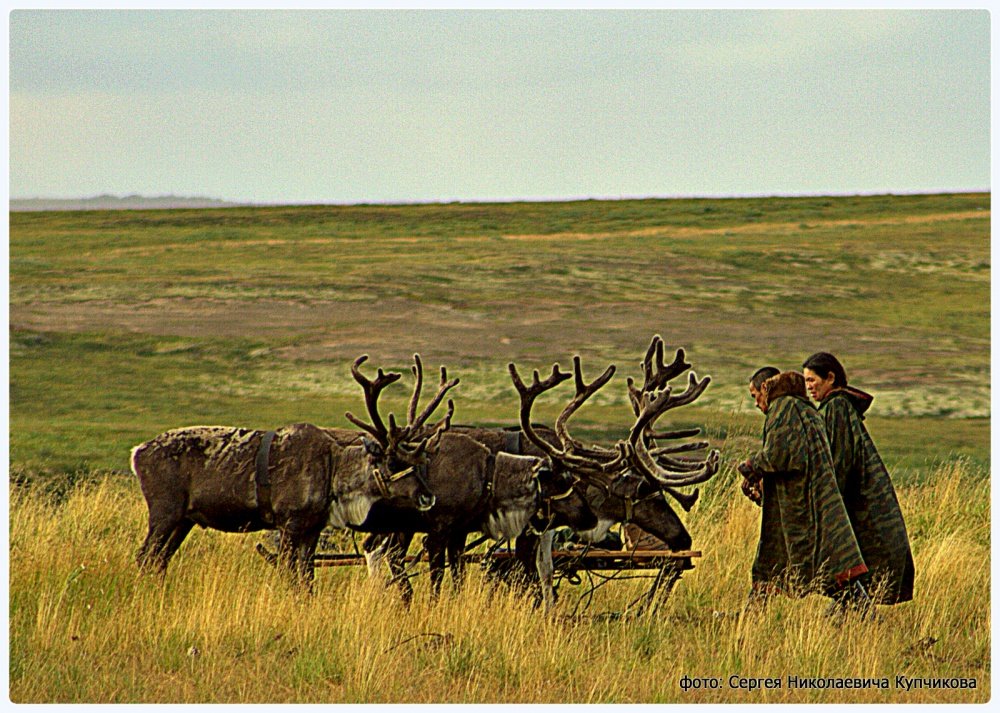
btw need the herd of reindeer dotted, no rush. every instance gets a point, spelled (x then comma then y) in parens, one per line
(445, 480)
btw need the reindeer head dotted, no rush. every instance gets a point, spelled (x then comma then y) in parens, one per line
(560, 503)
(397, 452)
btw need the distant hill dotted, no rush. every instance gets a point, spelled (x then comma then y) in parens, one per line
(107, 202)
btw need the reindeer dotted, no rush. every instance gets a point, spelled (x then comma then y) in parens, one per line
(476, 488)
(629, 482)
(618, 491)
(296, 479)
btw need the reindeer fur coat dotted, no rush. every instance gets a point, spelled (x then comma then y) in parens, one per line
(806, 541)
(868, 496)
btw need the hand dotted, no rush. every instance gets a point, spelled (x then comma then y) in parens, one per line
(746, 470)
(751, 488)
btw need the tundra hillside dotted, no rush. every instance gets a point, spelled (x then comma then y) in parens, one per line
(125, 324)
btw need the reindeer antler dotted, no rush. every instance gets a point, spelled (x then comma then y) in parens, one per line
(418, 384)
(679, 472)
(656, 373)
(528, 395)
(372, 391)
(583, 392)
(402, 440)
(573, 454)
(653, 406)
(398, 436)
(637, 451)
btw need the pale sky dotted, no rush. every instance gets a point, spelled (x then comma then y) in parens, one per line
(344, 106)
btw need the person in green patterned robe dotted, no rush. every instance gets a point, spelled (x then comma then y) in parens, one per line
(806, 541)
(863, 480)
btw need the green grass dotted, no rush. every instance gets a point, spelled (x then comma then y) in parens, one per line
(126, 323)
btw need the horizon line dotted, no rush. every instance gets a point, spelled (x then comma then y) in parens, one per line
(504, 199)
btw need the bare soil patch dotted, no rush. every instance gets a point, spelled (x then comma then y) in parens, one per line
(395, 328)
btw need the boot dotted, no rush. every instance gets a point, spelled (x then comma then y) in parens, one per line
(757, 601)
(862, 603)
(852, 599)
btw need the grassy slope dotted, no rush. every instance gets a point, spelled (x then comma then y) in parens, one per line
(127, 323)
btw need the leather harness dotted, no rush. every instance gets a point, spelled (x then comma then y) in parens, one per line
(262, 481)
(419, 471)
(262, 478)
(629, 501)
(512, 442)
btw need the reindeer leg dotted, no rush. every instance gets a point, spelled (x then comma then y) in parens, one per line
(305, 548)
(286, 549)
(456, 549)
(546, 568)
(525, 552)
(154, 554)
(395, 554)
(436, 546)
(173, 542)
(148, 558)
(376, 548)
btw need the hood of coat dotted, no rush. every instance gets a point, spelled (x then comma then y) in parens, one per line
(859, 399)
(787, 383)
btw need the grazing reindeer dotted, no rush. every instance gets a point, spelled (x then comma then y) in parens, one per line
(629, 482)
(297, 479)
(476, 488)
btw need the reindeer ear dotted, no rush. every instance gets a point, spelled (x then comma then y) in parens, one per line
(372, 447)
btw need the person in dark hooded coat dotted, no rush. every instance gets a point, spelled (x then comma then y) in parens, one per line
(863, 480)
(806, 540)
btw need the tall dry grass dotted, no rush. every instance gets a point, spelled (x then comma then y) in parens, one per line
(224, 627)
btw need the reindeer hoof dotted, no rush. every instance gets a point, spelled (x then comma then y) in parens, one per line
(269, 557)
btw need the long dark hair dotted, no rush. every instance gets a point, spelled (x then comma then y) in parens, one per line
(823, 364)
(763, 374)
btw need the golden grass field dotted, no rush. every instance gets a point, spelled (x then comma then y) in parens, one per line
(225, 627)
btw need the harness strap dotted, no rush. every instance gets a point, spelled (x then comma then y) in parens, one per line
(262, 481)
(421, 475)
(545, 512)
(400, 474)
(383, 481)
(491, 483)
(564, 495)
(383, 487)
(475, 543)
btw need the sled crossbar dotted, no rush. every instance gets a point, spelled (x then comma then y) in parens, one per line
(618, 558)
